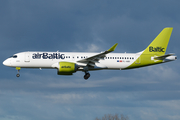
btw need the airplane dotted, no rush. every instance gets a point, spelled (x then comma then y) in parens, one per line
(68, 63)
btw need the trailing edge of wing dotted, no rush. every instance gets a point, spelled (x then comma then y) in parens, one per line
(97, 57)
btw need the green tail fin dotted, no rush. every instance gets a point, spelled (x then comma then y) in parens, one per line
(156, 49)
(159, 44)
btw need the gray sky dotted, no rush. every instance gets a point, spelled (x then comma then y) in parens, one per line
(88, 26)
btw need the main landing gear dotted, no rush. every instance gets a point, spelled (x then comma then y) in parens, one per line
(87, 75)
(18, 69)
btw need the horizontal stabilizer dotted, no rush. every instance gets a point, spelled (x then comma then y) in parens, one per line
(163, 56)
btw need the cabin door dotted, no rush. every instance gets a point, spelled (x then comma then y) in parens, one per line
(27, 57)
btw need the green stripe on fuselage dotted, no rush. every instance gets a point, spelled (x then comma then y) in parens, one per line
(144, 60)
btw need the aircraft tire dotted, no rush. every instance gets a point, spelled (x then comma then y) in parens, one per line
(86, 76)
(17, 75)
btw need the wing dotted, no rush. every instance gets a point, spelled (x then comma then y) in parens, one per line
(90, 61)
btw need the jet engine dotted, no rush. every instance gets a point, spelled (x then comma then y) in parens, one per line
(67, 68)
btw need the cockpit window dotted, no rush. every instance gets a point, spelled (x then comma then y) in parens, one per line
(14, 56)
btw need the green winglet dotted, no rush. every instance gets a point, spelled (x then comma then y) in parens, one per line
(113, 47)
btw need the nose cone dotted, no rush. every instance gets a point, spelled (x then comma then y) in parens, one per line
(7, 62)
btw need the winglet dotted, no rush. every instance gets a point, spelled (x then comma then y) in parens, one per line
(112, 48)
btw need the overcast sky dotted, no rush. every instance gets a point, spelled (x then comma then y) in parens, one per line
(150, 93)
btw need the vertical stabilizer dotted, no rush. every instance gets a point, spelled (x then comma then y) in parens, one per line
(159, 44)
(156, 49)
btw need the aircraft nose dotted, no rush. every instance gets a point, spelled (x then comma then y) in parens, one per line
(7, 62)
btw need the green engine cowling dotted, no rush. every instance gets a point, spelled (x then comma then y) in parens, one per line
(67, 68)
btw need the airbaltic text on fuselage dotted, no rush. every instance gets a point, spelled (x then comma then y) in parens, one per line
(48, 56)
(156, 49)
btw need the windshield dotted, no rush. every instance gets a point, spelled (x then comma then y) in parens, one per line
(14, 56)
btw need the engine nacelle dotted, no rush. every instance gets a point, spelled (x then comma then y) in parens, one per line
(67, 68)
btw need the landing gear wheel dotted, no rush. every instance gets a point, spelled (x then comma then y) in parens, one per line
(86, 76)
(18, 69)
(18, 75)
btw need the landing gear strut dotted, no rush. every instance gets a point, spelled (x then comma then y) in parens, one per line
(86, 76)
(18, 69)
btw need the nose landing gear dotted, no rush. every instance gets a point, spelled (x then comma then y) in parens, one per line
(18, 69)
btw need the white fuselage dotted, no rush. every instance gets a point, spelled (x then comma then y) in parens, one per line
(50, 59)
